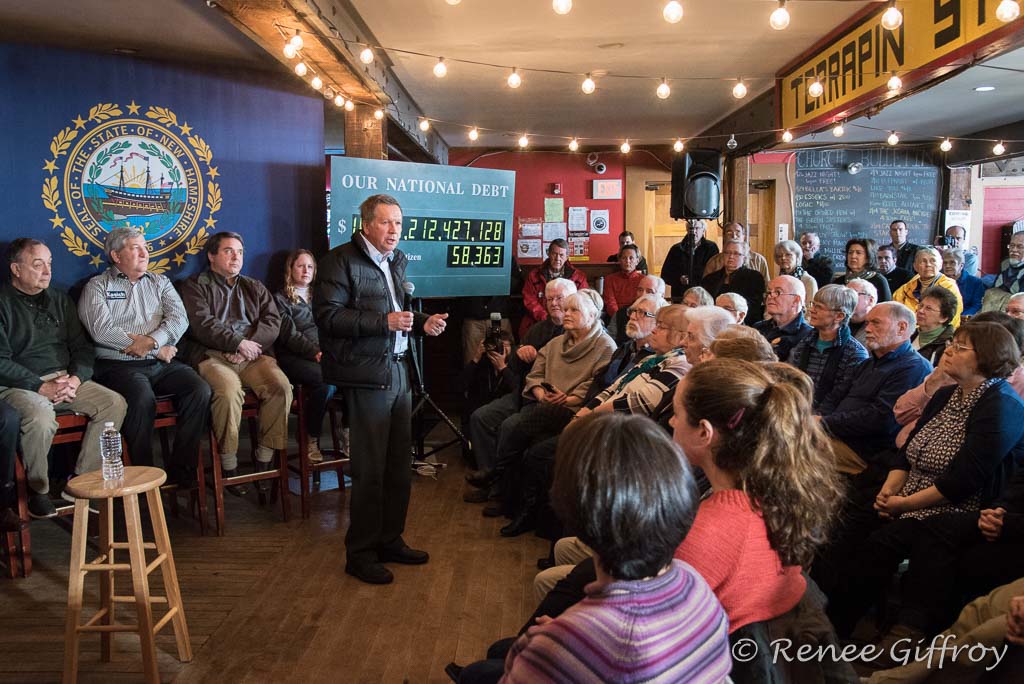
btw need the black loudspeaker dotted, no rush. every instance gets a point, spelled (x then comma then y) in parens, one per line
(697, 185)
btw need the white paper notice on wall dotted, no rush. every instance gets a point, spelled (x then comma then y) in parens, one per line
(958, 217)
(528, 249)
(528, 230)
(577, 219)
(599, 222)
(554, 231)
(782, 233)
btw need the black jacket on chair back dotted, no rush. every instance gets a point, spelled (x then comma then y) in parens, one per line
(351, 306)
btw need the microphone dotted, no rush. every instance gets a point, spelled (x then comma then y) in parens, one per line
(407, 302)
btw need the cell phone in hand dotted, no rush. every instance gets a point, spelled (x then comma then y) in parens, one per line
(548, 387)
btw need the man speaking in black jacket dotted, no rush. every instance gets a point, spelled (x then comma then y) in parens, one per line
(364, 337)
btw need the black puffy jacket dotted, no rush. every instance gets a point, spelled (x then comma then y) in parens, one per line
(351, 306)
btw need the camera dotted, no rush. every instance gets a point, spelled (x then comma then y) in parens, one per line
(600, 168)
(492, 340)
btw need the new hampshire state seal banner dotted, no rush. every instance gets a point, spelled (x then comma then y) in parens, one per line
(92, 142)
(132, 166)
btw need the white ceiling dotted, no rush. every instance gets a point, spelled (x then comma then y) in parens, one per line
(716, 38)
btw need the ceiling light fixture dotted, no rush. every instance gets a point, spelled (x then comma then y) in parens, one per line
(474, 134)
(301, 69)
(1008, 10)
(946, 145)
(378, 114)
(663, 90)
(350, 105)
(779, 19)
(999, 148)
(984, 89)
(366, 56)
(574, 145)
(453, 3)
(815, 89)
(838, 129)
(673, 12)
(787, 136)
(893, 139)
(895, 83)
(678, 145)
(289, 51)
(892, 18)
(317, 83)
(440, 69)
(524, 141)
(739, 91)
(424, 125)
(328, 93)
(561, 7)
(514, 79)
(296, 40)
(339, 101)
(732, 144)
(588, 86)
(624, 147)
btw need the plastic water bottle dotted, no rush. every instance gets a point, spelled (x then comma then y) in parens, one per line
(110, 450)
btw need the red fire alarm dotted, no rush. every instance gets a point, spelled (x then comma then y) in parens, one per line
(556, 188)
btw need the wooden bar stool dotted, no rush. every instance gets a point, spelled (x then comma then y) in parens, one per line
(334, 459)
(137, 480)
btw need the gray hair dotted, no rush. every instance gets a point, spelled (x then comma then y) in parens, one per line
(867, 285)
(659, 284)
(799, 289)
(790, 246)
(564, 284)
(838, 298)
(900, 313)
(746, 247)
(659, 302)
(704, 297)
(1015, 297)
(928, 250)
(738, 300)
(587, 301)
(707, 321)
(117, 237)
(956, 253)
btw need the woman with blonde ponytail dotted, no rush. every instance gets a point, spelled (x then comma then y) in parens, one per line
(774, 486)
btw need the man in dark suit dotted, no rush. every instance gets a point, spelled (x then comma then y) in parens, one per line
(906, 252)
(364, 337)
(896, 276)
(685, 261)
(819, 266)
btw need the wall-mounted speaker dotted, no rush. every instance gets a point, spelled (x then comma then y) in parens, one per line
(697, 185)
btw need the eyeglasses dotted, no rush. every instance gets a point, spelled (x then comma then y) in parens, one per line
(778, 293)
(664, 326)
(815, 306)
(632, 311)
(959, 347)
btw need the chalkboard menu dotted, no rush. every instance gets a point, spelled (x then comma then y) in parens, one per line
(889, 184)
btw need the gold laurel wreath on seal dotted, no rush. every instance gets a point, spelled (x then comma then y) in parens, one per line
(104, 111)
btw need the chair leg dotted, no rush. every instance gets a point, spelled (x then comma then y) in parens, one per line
(282, 476)
(25, 534)
(76, 585)
(201, 497)
(218, 484)
(302, 438)
(140, 586)
(11, 554)
(170, 575)
(106, 523)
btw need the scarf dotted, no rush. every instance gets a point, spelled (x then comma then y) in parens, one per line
(921, 287)
(1010, 278)
(926, 337)
(645, 366)
(863, 275)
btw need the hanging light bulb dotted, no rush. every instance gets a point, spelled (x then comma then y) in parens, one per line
(524, 141)
(815, 89)
(678, 145)
(289, 51)
(946, 145)
(574, 145)
(838, 129)
(339, 101)
(663, 90)
(588, 86)
(779, 19)
(366, 56)
(350, 105)
(301, 69)
(999, 148)
(328, 93)
(440, 69)
(424, 125)
(732, 144)
(378, 114)
(739, 91)
(893, 139)
(514, 79)
(561, 6)
(474, 134)
(317, 83)
(453, 3)
(895, 83)
(1008, 10)
(624, 147)
(673, 12)
(296, 40)
(892, 18)
(787, 136)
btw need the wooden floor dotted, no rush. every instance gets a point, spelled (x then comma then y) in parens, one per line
(270, 601)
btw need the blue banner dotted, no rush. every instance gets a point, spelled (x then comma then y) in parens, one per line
(92, 142)
(456, 221)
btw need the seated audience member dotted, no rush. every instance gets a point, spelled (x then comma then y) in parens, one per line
(859, 413)
(956, 461)
(818, 265)
(927, 265)
(867, 297)
(734, 277)
(620, 286)
(1015, 305)
(955, 237)
(10, 426)
(703, 325)
(736, 231)
(642, 315)
(1010, 279)
(862, 263)
(972, 289)
(46, 367)
(785, 326)
(627, 238)
(906, 252)
(639, 614)
(742, 342)
(555, 266)
(233, 325)
(485, 421)
(648, 285)
(697, 296)
(934, 330)
(298, 344)
(894, 275)
(476, 313)
(994, 622)
(685, 261)
(788, 255)
(482, 381)
(554, 389)
(734, 304)
(829, 354)
(136, 318)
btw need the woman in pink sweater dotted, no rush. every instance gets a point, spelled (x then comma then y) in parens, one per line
(774, 485)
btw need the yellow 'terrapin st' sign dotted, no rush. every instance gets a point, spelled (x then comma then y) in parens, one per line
(862, 58)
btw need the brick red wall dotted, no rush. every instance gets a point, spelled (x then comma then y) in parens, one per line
(1002, 206)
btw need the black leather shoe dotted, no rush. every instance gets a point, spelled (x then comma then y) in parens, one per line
(261, 467)
(523, 523)
(404, 555)
(482, 479)
(371, 573)
(493, 511)
(476, 496)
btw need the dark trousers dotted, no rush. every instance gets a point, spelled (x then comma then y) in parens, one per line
(10, 426)
(534, 423)
(140, 382)
(307, 373)
(380, 422)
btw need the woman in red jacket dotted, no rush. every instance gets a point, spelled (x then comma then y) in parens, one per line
(555, 266)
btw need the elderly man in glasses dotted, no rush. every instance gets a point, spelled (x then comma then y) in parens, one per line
(1010, 279)
(784, 304)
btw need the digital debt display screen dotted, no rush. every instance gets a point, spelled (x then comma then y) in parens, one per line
(456, 221)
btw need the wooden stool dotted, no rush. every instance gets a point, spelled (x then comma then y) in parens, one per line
(334, 459)
(137, 479)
